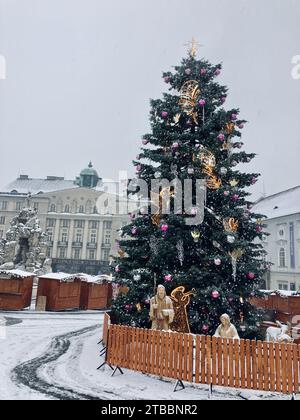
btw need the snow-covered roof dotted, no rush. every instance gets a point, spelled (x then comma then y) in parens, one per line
(34, 186)
(283, 293)
(281, 204)
(94, 279)
(59, 276)
(16, 273)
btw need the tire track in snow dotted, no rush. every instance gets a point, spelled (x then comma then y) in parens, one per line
(27, 373)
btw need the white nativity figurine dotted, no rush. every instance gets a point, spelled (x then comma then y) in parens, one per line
(226, 329)
(280, 334)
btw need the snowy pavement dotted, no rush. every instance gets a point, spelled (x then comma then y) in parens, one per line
(55, 356)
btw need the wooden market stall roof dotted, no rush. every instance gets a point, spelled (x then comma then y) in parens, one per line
(16, 274)
(63, 277)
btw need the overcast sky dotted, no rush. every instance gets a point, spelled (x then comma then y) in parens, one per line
(80, 74)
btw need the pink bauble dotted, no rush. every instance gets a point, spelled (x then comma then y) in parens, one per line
(167, 79)
(138, 157)
(215, 294)
(175, 145)
(226, 193)
(138, 168)
(235, 197)
(218, 262)
(221, 137)
(134, 230)
(259, 229)
(117, 269)
(223, 99)
(202, 102)
(205, 328)
(217, 72)
(188, 71)
(168, 278)
(203, 72)
(164, 114)
(132, 216)
(250, 276)
(164, 227)
(241, 126)
(128, 307)
(234, 117)
(253, 181)
(145, 142)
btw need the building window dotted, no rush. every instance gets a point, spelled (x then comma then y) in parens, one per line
(93, 237)
(62, 253)
(50, 223)
(293, 287)
(77, 254)
(64, 236)
(52, 208)
(3, 205)
(282, 258)
(2, 220)
(67, 208)
(107, 225)
(49, 252)
(79, 224)
(105, 254)
(65, 223)
(78, 237)
(81, 209)
(50, 235)
(19, 205)
(36, 206)
(95, 210)
(93, 224)
(281, 232)
(283, 286)
(1, 234)
(92, 254)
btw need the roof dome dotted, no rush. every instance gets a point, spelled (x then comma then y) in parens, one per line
(89, 171)
(88, 178)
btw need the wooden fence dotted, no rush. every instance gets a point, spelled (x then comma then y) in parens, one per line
(239, 364)
(106, 323)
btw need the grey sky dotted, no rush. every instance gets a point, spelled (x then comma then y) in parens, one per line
(80, 74)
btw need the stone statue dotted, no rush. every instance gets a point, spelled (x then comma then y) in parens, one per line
(161, 310)
(25, 246)
(181, 300)
(226, 329)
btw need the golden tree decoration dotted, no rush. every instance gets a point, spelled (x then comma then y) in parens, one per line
(189, 96)
(208, 161)
(157, 199)
(231, 225)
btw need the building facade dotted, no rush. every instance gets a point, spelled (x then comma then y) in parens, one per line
(82, 218)
(283, 243)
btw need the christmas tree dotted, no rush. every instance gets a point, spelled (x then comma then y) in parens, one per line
(193, 137)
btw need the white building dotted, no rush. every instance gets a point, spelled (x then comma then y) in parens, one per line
(283, 245)
(82, 217)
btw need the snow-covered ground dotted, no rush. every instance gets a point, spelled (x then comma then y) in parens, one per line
(55, 356)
